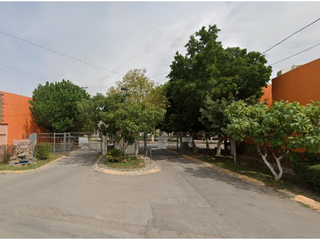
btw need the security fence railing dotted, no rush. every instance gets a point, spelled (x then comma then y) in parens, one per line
(69, 141)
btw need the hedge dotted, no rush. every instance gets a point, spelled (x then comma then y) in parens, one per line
(42, 150)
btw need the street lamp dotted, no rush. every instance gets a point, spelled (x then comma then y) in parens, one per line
(123, 89)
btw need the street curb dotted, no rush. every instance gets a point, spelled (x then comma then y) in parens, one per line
(219, 169)
(33, 170)
(308, 201)
(298, 198)
(125, 173)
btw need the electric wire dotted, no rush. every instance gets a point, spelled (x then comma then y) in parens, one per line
(159, 74)
(59, 53)
(295, 54)
(19, 75)
(291, 35)
(24, 72)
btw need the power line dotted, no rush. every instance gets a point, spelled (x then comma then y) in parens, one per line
(291, 35)
(159, 74)
(24, 72)
(296, 54)
(62, 54)
(19, 74)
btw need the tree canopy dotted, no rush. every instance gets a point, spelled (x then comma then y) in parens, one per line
(139, 108)
(278, 130)
(54, 106)
(209, 70)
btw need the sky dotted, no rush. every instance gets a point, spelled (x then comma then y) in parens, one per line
(120, 36)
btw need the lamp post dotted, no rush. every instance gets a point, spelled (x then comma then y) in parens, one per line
(123, 89)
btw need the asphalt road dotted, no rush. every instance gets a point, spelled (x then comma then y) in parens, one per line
(69, 199)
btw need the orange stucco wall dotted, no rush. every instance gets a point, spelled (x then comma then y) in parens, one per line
(267, 95)
(301, 84)
(17, 115)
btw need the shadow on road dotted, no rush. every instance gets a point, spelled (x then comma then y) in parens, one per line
(80, 157)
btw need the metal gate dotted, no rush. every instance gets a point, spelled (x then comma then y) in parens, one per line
(70, 141)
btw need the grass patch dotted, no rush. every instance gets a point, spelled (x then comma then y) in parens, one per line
(262, 173)
(38, 163)
(132, 163)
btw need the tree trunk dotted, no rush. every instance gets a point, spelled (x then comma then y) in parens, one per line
(264, 158)
(233, 148)
(136, 147)
(207, 143)
(219, 144)
(124, 145)
(194, 147)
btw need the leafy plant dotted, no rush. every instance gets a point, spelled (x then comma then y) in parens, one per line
(114, 155)
(6, 152)
(42, 150)
(308, 172)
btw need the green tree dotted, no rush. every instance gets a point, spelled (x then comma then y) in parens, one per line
(140, 108)
(54, 106)
(89, 112)
(209, 70)
(271, 128)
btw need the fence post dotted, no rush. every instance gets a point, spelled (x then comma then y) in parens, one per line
(54, 142)
(64, 143)
(145, 143)
(181, 144)
(101, 143)
(177, 142)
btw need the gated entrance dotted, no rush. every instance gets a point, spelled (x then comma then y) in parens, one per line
(70, 141)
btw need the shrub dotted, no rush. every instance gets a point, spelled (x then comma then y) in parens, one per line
(6, 152)
(308, 171)
(42, 150)
(114, 155)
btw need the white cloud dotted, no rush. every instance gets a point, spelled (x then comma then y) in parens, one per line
(125, 35)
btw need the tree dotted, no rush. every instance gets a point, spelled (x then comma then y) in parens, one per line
(141, 108)
(209, 70)
(213, 117)
(89, 111)
(270, 128)
(54, 106)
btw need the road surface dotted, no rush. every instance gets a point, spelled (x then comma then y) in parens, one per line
(68, 199)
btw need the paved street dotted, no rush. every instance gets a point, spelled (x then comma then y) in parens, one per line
(69, 199)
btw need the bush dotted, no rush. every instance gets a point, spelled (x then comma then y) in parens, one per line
(308, 171)
(42, 150)
(6, 152)
(114, 155)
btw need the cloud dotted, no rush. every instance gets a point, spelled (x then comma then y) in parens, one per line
(124, 35)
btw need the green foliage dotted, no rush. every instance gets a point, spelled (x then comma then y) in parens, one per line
(42, 151)
(282, 128)
(89, 112)
(142, 107)
(213, 115)
(308, 168)
(209, 70)
(114, 155)
(6, 152)
(54, 106)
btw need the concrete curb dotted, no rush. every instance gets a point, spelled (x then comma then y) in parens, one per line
(33, 170)
(142, 171)
(308, 201)
(298, 198)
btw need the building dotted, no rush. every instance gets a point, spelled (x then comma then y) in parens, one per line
(301, 84)
(16, 121)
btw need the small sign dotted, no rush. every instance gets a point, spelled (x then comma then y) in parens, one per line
(33, 138)
(186, 139)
